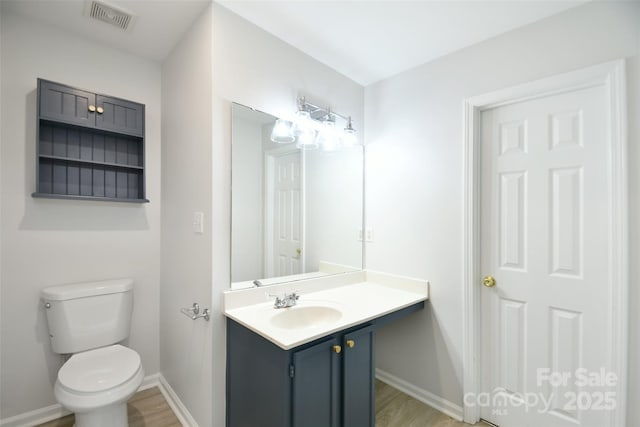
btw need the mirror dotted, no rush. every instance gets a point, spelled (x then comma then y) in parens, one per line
(295, 213)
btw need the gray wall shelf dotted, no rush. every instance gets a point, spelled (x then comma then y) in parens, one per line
(89, 146)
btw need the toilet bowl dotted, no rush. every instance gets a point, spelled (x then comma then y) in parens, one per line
(96, 385)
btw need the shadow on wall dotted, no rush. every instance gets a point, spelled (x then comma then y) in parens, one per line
(72, 215)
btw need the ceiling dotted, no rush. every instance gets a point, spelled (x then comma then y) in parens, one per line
(365, 40)
(158, 26)
(372, 40)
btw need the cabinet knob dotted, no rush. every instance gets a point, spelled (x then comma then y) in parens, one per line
(100, 110)
(92, 108)
(351, 343)
(337, 349)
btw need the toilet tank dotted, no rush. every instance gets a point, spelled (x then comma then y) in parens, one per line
(84, 316)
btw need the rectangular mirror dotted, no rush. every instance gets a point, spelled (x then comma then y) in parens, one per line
(295, 213)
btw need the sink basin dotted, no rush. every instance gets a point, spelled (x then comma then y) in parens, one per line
(305, 316)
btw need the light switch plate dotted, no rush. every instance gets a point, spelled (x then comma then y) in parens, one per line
(198, 222)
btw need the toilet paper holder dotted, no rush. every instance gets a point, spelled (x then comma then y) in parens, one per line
(193, 312)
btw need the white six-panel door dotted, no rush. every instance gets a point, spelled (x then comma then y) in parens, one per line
(545, 223)
(287, 218)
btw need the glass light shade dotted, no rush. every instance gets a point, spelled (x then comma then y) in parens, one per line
(282, 132)
(307, 139)
(327, 138)
(302, 121)
(349, 138)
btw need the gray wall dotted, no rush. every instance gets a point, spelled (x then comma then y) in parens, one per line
(415, 170)
(48, 242)
(185, 347)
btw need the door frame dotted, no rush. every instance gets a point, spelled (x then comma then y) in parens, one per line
(611, 75)
(269, 173)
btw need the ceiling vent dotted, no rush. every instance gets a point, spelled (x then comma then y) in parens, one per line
(110, 14)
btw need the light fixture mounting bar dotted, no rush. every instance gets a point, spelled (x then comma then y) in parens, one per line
(318, 112)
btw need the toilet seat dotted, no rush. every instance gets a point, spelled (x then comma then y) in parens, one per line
(99, 370)
(99, 377)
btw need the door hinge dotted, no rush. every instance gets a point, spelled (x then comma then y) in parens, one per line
(292, 371)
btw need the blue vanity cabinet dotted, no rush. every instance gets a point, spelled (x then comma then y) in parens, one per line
(325, 383)
(329, 382)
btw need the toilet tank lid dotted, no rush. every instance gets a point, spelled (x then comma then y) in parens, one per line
(86, 289)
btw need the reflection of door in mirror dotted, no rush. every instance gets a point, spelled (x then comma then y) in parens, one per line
(283, 246)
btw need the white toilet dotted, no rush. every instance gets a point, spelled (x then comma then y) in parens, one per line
(88, 320)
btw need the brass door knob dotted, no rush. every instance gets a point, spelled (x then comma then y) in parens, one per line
(351, 343)
(337, 349)
(92, 108)
(100, 110)
(489, 281)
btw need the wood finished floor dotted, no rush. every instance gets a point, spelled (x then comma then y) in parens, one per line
(396, 409)
(148, 408)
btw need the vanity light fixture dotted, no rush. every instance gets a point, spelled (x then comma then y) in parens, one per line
(306, 138)
(349, 137)
(282, 132)
(327, 137)
(303, 129)
(313, 127)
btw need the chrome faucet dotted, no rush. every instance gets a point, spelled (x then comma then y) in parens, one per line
(289, 300)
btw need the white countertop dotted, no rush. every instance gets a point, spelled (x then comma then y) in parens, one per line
(359, 297)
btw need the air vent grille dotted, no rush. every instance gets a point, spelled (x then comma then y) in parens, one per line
(110, 15)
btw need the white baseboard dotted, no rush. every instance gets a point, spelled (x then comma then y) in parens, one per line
(35, 417)
(52, 412)
(181, 411)
(443, 405)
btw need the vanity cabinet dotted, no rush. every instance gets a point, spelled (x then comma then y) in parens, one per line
(329, 382)
(89, 146)
(326, 383)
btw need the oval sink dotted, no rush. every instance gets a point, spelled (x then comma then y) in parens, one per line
(305, 316)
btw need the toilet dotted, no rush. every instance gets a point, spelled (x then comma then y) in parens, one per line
(88, 320)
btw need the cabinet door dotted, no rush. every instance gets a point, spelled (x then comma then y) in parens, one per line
(121, 116)
(316, 386)
(358, 395)
(66, 104)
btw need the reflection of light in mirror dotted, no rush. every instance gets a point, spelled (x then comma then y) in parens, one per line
(282, 132)
(306, 139)
(302, 121)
